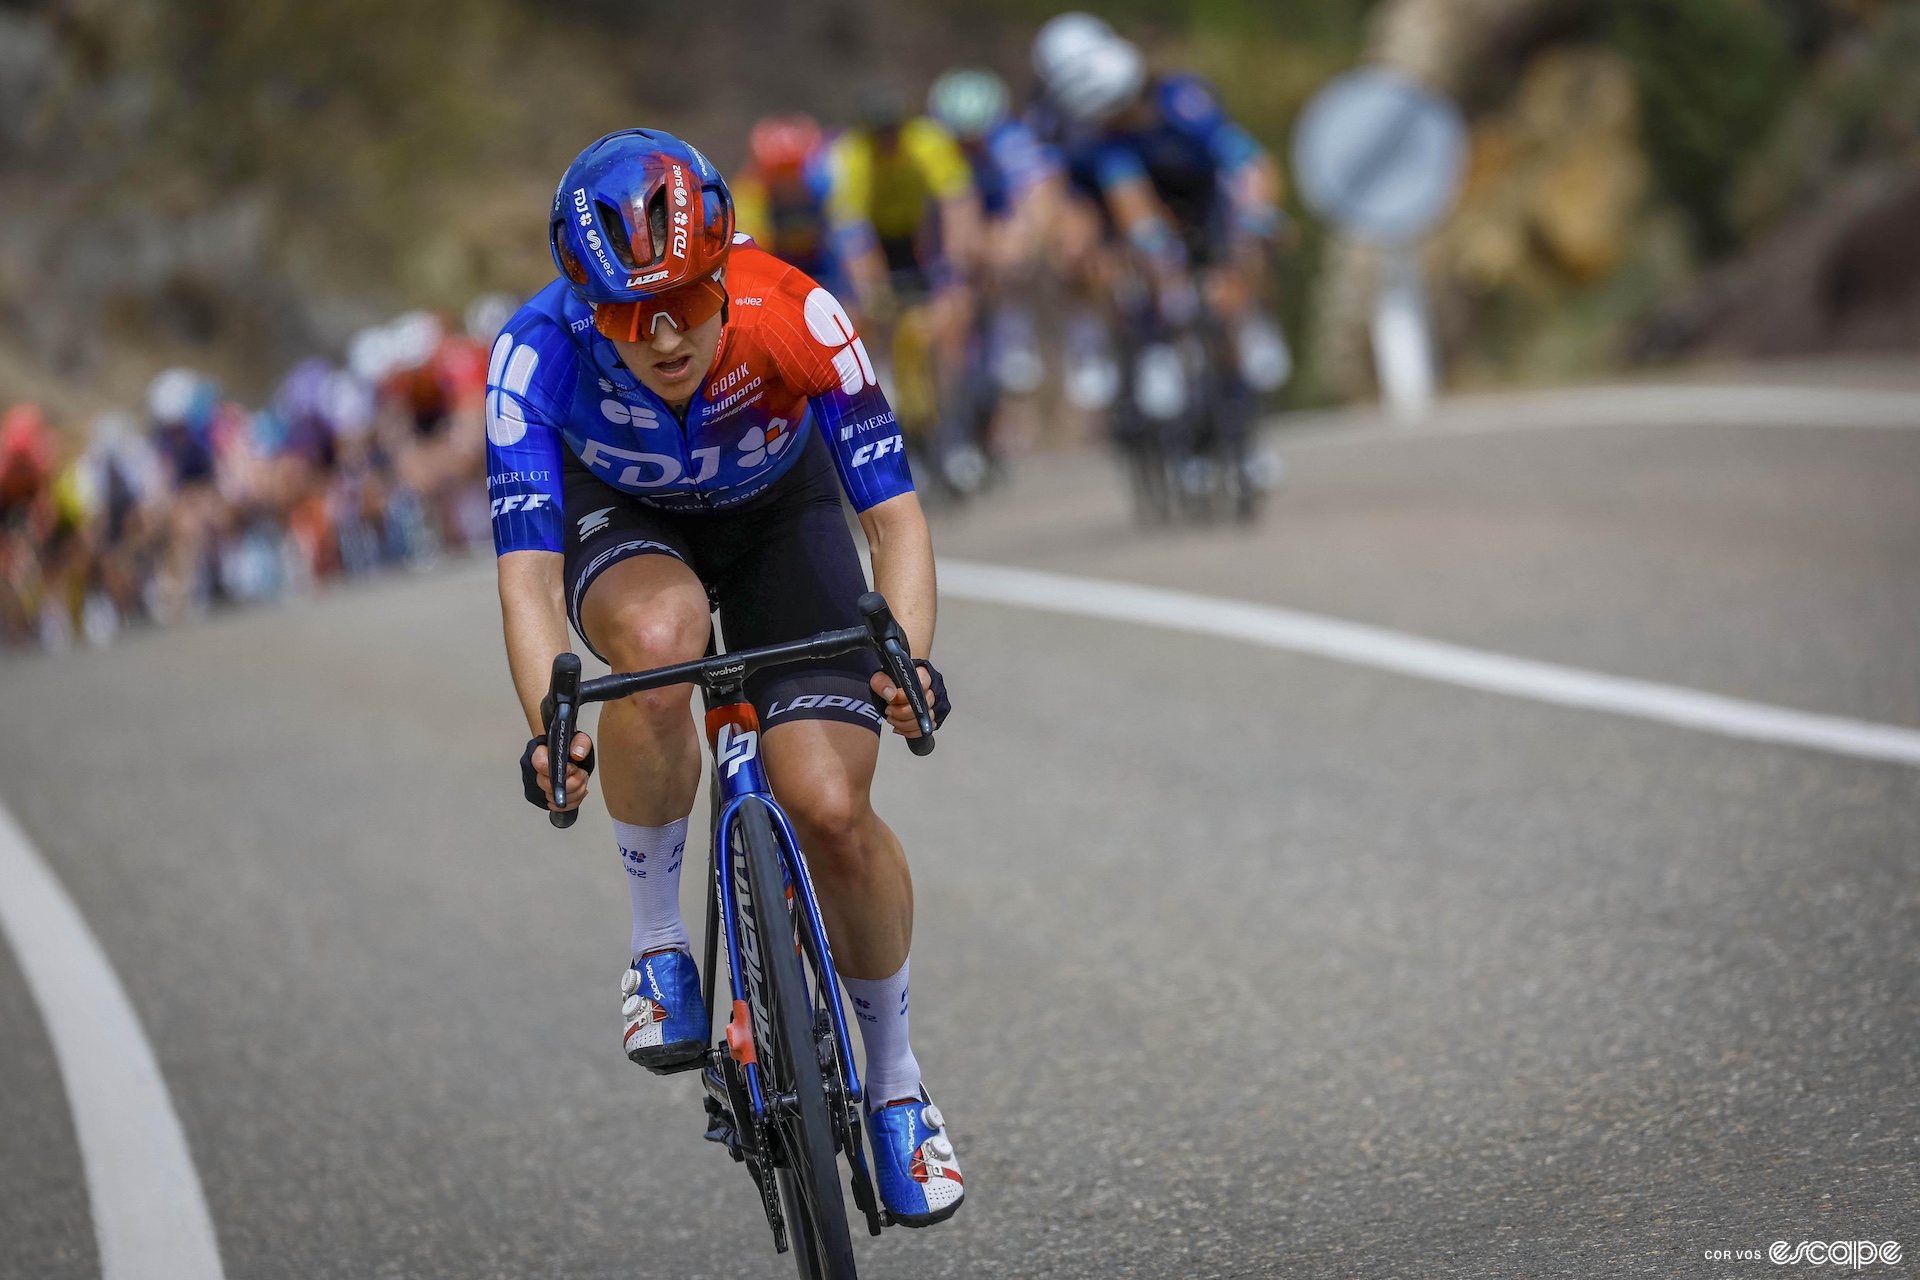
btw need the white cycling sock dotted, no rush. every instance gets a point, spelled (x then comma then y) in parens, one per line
(652, 857)
(891, 1072)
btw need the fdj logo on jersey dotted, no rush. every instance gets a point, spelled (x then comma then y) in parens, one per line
(735, 747)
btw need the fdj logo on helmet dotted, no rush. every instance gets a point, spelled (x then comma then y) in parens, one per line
(581, 204)
(679, 214)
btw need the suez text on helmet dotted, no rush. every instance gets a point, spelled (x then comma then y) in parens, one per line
(638, 214)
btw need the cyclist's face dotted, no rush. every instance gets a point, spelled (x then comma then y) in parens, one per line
(671, 363)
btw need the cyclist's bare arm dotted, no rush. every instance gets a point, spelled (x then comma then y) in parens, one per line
(533, 613)
(1257, 182)
(962, 230)
(1034, 226)
(902, 548)
(867, 270)
(1138, 213)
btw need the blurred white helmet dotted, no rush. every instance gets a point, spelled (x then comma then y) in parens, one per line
(1090, 74)
(172, 394)
(369, 354)
(1062, 36)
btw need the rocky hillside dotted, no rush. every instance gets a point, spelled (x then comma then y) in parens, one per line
(232, 183)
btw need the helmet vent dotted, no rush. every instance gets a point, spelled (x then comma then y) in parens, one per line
(616, 229)
(657, 223)
(568, 262)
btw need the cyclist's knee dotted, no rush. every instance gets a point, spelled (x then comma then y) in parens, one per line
(659, 634)
(832, 818)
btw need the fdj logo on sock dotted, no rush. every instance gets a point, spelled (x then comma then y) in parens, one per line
(736, 747)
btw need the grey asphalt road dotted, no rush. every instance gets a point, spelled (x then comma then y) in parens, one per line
(1229, 962)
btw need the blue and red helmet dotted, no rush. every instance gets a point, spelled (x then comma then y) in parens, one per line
(638, 214)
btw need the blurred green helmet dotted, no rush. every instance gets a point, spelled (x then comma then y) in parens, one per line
(969, 101)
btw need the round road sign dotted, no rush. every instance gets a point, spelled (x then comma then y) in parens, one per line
(1379, 155)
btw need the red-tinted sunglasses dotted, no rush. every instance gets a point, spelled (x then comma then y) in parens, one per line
(685, 308)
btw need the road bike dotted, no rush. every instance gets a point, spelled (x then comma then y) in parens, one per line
(781, 1092)
(1182, 420)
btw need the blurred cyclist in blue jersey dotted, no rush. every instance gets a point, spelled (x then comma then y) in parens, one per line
(1187, 194)
(1018, 177)
(671, 424)
(1021, 185)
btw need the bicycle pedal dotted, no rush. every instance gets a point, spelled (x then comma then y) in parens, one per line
(670, 1067)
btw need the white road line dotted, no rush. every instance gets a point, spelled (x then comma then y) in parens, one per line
(1428, 659)
(149, 1214)
(1648, 405)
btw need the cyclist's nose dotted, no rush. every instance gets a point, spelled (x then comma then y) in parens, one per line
(665, 338)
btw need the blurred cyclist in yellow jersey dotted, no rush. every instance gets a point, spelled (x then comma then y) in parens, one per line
(901, 203)
(906, 227)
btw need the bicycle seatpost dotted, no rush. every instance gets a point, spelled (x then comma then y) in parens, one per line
(562, 708)
(892, 644)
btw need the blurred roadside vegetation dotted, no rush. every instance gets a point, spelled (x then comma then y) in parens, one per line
(232, 184)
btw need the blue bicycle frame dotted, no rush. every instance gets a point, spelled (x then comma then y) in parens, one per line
(733, 732)
(742, 1110)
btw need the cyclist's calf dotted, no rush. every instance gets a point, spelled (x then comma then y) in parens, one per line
(822, 771)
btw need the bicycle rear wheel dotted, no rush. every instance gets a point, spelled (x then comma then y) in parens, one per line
(790, 1066)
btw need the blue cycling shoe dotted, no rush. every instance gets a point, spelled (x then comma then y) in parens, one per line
(664, 1018)
(914, 1164)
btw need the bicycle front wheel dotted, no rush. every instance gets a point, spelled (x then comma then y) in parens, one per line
(790, 1070)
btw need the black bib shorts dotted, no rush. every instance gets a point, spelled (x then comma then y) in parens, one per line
(780, 566)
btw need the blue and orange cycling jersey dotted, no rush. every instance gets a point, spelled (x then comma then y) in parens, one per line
(788, 362)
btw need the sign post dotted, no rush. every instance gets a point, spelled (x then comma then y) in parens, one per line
(1381, 157)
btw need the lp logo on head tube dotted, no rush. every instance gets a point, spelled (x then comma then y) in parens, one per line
(736, 747)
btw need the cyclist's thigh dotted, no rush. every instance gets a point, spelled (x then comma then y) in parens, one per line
(632, 592)
(794, 572)
(822, 770)
(646, 611)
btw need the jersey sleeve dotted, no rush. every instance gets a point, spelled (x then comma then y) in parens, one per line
(530, 376)
(868, 450)
(817, 352)
(1023, 158)
(1116, 163)
(943, 166)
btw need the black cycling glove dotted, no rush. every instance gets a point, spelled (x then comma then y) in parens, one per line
(937, 704)
(530, 780)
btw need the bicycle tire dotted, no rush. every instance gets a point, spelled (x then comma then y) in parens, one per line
(810, 1180)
